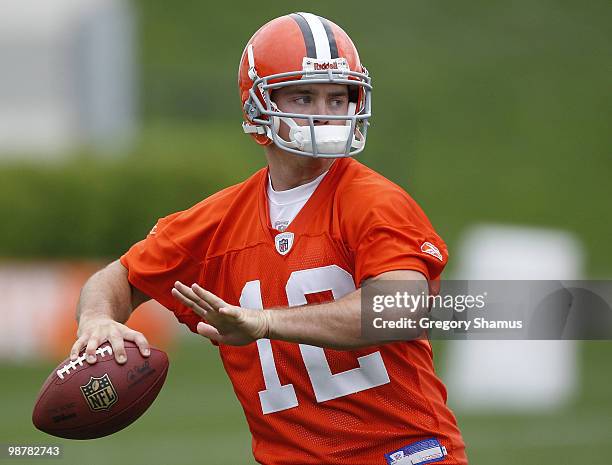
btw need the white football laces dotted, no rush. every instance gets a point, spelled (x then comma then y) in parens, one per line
(65, 370)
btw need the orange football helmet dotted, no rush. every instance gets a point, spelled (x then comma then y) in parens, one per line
(296, 49)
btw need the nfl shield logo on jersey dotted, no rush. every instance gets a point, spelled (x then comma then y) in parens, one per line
(283, 242)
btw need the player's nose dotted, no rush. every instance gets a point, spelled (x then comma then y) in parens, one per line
(321, 109)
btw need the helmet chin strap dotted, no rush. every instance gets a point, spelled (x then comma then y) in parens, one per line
(329, 139)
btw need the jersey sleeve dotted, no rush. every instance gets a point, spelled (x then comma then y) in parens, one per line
(176, 250)
(165, 256)
(392, 233)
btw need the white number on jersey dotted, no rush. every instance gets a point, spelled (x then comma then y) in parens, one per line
(276, 397)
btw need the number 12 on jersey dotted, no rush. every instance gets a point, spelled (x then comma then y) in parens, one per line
(276, 397)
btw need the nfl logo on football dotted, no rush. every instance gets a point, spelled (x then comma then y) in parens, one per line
(100, 393)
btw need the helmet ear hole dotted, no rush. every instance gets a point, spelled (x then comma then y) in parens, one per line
(353, 94)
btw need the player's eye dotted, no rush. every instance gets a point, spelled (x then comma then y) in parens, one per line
(303, 100)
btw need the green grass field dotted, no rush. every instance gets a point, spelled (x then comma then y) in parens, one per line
(197, 420)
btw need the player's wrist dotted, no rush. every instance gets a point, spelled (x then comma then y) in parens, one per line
(267, 317)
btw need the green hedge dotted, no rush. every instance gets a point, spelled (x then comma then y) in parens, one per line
(91, 207)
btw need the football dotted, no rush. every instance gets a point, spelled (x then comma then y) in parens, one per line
(83, 401)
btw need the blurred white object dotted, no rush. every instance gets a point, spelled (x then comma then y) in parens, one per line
(514, 376)
(68, 76)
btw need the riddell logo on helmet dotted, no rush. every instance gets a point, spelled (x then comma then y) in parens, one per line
(323, 66)
(335, 64)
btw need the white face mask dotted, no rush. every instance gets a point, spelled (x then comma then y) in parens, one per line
(328, 139)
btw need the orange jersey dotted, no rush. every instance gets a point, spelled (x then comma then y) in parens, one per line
(304, 404)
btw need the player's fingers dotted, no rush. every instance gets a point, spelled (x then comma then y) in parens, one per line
(186, 291)
(207, 296)
(189, 303)
(92, 345)
(208, 331)
(77, 346)
(189, 294)
(140, 340)
(116, 340)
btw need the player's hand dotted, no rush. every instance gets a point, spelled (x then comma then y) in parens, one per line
(225, 323)
(94, 332)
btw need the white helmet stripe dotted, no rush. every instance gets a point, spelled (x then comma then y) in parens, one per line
(319, 34)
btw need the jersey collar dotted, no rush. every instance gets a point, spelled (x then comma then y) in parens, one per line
(322, 193)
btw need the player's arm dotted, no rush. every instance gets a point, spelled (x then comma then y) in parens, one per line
(334, 325)
(337, 324)
(106, 302)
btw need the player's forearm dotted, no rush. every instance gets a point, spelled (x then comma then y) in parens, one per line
(107, 294)
(335, 325)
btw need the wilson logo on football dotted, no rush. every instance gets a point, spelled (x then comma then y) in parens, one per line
(432, 250)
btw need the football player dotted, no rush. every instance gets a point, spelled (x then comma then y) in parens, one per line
(271, 270)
